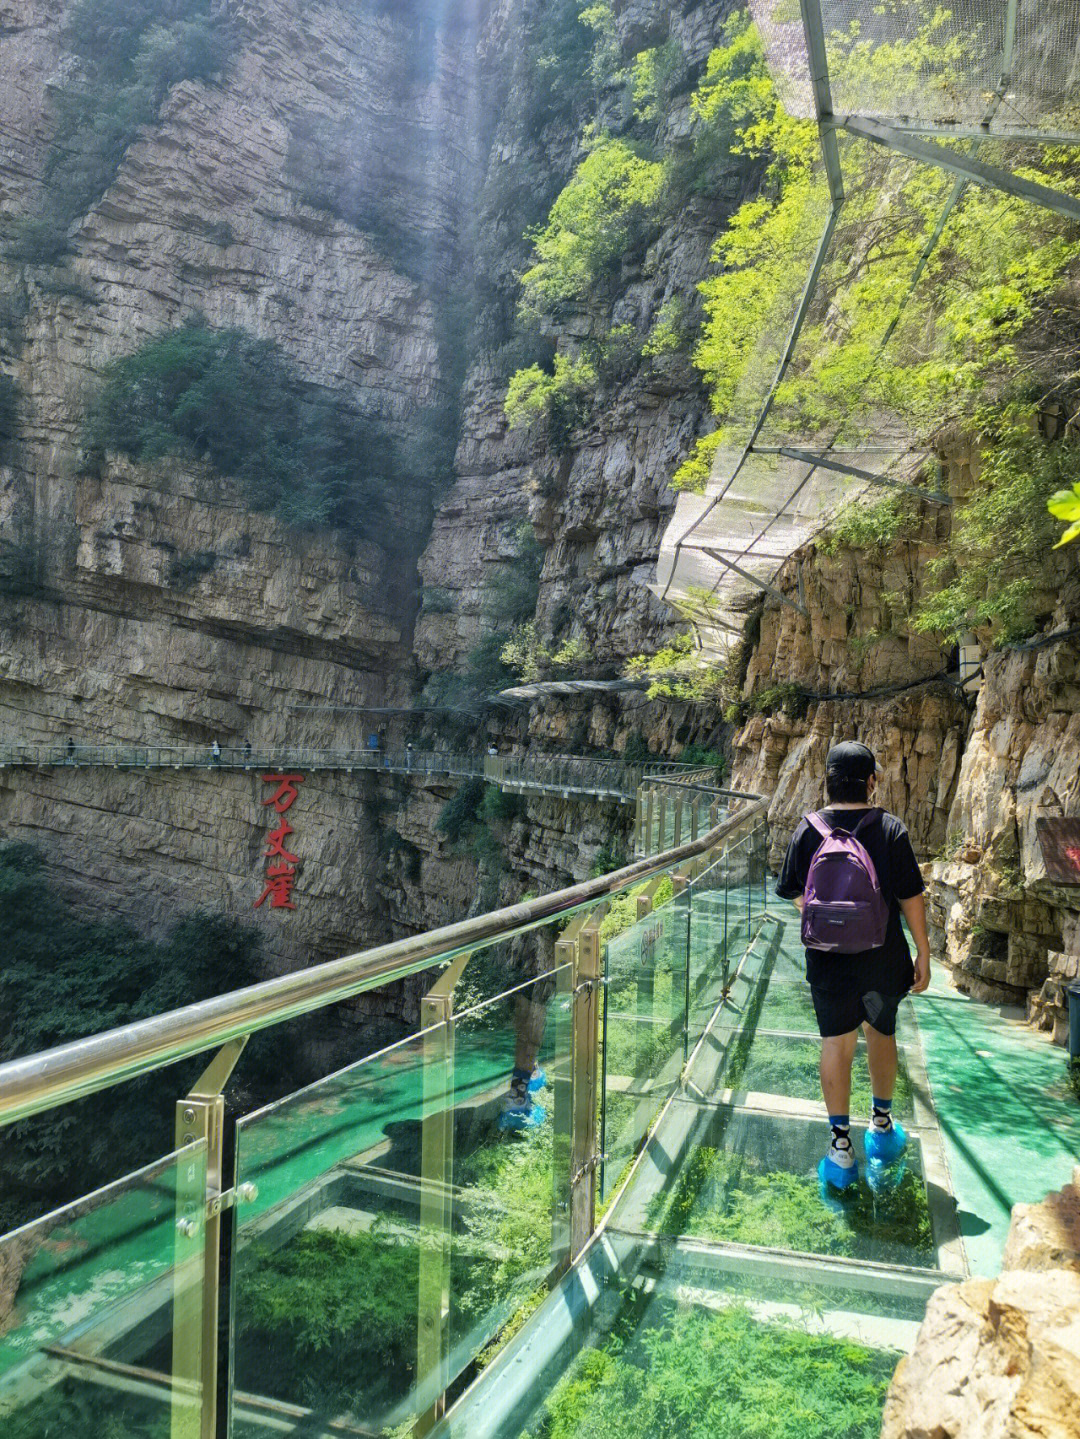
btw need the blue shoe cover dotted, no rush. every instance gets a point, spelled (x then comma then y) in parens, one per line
(518, 1117)
(884, 1146)
(538, 1081)
(830, 1173)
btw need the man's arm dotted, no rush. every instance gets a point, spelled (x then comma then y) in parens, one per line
(915, 914)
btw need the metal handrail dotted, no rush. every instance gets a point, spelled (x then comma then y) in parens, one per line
(71, 1071)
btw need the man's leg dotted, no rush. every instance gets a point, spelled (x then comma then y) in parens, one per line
(881, 1057)
(885, 1139)
(837, 1052)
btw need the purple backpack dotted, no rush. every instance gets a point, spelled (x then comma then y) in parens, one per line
(843, 907)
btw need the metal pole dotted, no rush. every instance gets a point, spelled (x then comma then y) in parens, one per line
(436, 1190)
(929, 152)
(195, 1324)
(583, 1159)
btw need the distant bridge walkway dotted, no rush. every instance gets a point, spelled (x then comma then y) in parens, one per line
(561, 775)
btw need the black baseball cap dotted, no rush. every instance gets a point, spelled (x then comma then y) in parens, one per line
(850, 760)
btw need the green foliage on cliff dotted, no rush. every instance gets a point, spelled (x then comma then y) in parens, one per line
(127, 55)
(1065, 505)
(1001, 532)
(875, 526)
(678, 671)
(230, 399)
(630, 179)
(560, 393)
(65, 976)
(961, 337)
(601, 213)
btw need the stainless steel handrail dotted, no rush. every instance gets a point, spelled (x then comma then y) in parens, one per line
(71, 1071)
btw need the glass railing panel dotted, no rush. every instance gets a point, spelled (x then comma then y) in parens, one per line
(511, 1162)
(644, 1030)
(328, 1244)
(398, 1214)
(101, 1308)
(712, 962)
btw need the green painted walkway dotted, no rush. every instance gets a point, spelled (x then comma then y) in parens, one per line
(1010, 1124)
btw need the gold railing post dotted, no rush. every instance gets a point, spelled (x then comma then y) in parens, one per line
(436, 1193)
(195, 1315)
(583, 1157)
(562, 1081)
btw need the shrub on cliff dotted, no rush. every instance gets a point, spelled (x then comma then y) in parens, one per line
(232, 400)
(602, 213)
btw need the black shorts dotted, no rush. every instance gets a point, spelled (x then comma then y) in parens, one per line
(840, 1011)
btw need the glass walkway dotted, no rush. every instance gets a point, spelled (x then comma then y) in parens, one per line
(385, 1253)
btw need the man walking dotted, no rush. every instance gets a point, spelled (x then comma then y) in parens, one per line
(863, 850)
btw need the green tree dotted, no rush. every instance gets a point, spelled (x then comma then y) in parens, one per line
(604, 210)
(1065, 505)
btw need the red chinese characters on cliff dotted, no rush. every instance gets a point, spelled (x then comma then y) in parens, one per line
(281, 874)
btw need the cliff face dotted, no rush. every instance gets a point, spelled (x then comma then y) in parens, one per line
(600, 503)
(152, 603)
(322, 194)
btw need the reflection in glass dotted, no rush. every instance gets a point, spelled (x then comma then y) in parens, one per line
(101, 1306)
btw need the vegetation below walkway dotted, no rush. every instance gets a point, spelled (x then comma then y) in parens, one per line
(706, 1375)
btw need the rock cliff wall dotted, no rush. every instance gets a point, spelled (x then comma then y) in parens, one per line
(600, 502)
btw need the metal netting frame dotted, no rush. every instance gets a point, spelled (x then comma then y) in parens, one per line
(921, 142)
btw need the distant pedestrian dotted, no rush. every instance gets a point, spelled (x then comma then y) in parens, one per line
(247, 753)
(215, 752)
(408, 755)
(70, 750)
(493, 750)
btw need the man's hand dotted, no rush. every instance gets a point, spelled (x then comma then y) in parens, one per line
(922, 972)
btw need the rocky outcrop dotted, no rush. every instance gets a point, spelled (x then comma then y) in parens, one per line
(599, 502)
(1000, 1358)
(999, 918)
(849, 641)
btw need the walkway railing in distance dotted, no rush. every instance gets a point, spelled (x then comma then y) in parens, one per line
(530, 772)
(402, 1177)
(674, 808)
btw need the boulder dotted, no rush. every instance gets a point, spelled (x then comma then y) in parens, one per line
(1000, 1358)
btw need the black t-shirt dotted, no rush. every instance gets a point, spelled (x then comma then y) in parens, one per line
(888, 969)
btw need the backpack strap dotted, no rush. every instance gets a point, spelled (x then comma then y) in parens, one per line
(817, 822)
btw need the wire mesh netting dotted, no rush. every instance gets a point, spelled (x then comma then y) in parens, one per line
(818, 418)
(942, 65)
